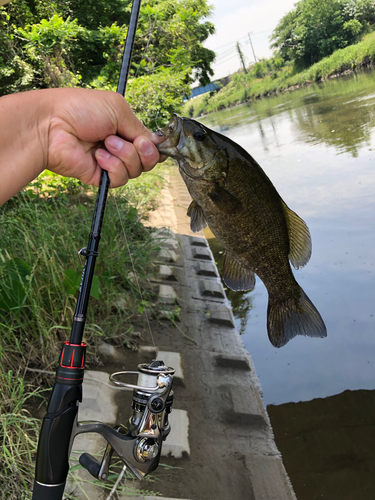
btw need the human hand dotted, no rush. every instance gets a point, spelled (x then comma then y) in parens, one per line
(82, 122)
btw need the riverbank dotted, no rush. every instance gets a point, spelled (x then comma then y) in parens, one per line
(245, 88)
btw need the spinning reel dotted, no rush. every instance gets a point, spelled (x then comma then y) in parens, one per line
(139, 442)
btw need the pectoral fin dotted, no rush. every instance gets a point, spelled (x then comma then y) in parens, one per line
(198, 221)
(299, 239)
(237, 277)
(224, 200)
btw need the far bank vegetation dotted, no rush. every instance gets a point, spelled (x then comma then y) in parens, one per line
(314, 41)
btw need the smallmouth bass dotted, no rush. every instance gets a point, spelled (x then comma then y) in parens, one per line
(260, 234)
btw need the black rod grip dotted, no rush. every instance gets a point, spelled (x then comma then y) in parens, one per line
(47, 492)
(52, 464)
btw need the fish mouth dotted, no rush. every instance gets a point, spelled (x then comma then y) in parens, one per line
(172, 134)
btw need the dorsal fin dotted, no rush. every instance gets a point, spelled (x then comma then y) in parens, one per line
(299, 239)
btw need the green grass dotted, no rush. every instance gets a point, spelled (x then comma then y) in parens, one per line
(41, 230)
(18, 430)
(244, 88)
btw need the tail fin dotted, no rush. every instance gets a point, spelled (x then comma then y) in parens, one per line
(293, 317)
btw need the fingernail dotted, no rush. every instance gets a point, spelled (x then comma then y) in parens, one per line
(103, 153)
(145, 147)
(115, 143)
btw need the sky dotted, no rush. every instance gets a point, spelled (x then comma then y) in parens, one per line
(233, 20)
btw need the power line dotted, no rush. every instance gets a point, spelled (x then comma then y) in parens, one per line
(226, 60)
(242, 38)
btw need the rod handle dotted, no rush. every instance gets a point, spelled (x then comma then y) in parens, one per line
(47, 492)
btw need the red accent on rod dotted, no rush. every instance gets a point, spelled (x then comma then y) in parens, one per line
(64, 378)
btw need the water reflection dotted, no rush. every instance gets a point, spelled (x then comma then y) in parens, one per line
(321, 113)
(241, 302)
(328, 445)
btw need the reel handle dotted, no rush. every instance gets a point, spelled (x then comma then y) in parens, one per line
(90, 463)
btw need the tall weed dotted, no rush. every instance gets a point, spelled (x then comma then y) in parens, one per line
(18, 436)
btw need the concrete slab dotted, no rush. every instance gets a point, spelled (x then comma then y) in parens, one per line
(206, 269)
(172, 359)
(166, 273)
(167, 295)
(220, 315)
(177, 443)
(198, 242)
(211, 289)
(98, 398)
(166, 255)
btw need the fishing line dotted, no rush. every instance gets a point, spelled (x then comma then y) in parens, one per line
(147, 44)
(134, 271)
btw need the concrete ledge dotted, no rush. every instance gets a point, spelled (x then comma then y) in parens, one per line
(221, 315)
(166, 273)
(232, 362)
(269, 479)
(211, 289)
(206, 269)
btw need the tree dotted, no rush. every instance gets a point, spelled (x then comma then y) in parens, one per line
(316, 28)
(241, 56)
(80, 43)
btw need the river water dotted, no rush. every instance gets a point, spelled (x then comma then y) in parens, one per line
(317, 145)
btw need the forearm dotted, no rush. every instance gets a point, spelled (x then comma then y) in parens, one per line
(24, 123)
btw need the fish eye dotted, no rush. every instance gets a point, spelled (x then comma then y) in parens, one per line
(199, 136)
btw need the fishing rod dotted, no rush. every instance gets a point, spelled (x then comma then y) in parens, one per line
(139, 442)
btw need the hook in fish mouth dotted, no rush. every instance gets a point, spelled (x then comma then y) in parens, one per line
(172, 133)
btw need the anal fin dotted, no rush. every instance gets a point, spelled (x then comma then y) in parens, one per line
(198, 221)
(237, 277)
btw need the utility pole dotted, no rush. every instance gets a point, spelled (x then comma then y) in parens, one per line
(241, 57)
(251, 43)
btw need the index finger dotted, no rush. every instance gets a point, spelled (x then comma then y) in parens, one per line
(128, 125)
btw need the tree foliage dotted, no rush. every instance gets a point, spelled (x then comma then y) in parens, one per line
(80, 43)
(316, 28)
